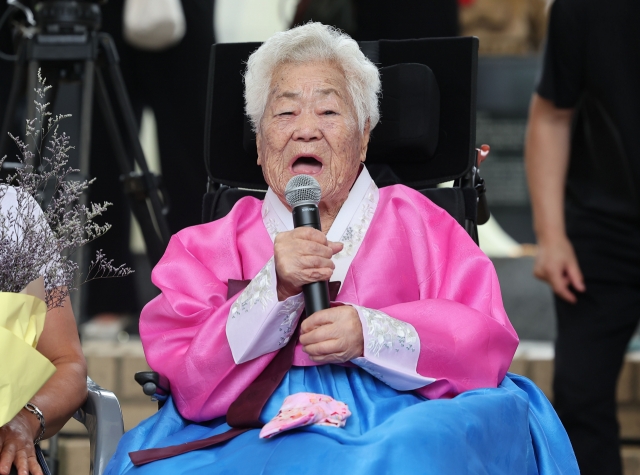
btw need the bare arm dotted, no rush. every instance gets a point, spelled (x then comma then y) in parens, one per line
(546, 162)
(58, 399)
(63, 394)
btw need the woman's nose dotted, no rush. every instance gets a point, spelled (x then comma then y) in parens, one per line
(307, 128)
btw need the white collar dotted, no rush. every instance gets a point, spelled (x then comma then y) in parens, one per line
(349, 227)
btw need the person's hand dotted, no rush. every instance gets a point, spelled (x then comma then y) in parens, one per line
(16, 445)
(483, 153)
(556, 264)
(302, 256)
(333, 335)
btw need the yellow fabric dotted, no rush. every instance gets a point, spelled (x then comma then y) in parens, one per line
(23, 370)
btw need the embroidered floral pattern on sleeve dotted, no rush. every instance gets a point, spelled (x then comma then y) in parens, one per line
(259, 291)
(388, 332)
(370, 368)
(289, 312)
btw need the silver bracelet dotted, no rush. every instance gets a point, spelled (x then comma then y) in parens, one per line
(33, 409)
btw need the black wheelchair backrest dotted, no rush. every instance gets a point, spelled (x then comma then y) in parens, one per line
(426, 134)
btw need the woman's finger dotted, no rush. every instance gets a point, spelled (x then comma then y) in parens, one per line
(305, 273)
(336, 247)
(323, 348)
(21, 462)
(322, 317)
(301, 247)
(318, 334)
(310, 248)
(316, 262)
(7, 457)
(309, 234)
(34, 466)
(26, 462)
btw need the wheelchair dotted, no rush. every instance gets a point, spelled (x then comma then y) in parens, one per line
(426, 136)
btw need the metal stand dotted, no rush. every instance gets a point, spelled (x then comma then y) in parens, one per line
(78, 60)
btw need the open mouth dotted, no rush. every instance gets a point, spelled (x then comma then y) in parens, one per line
(306, 166)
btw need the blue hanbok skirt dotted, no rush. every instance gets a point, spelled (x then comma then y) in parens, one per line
(512, 429)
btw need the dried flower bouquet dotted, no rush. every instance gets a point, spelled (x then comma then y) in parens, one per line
(35, 242)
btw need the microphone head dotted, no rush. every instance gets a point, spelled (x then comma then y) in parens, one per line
(302, 189)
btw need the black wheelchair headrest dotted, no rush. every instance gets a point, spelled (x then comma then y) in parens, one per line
(410, 115)
(426, 134)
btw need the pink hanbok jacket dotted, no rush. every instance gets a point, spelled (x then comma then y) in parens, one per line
(428, 300)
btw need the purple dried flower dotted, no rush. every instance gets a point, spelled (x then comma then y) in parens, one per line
(34, 243)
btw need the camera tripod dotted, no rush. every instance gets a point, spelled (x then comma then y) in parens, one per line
(82, 57)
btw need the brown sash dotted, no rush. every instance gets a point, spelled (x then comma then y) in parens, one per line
(244, 412)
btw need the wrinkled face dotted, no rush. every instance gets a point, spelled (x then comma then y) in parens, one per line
(310, 127)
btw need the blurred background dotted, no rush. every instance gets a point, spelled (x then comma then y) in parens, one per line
(167, 87)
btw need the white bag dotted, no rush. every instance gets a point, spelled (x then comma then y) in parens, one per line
(153, 24)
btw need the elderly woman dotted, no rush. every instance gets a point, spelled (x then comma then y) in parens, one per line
(368, 383)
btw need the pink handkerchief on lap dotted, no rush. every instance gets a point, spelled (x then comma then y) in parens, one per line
(303, 409)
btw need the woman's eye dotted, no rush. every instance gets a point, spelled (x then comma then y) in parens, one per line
(286, 113)
(329, 112)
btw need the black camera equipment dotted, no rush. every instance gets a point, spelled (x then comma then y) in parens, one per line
(63, 38)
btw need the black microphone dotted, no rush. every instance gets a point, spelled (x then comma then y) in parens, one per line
(303, 195)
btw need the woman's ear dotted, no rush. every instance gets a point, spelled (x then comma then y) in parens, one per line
(365, 141)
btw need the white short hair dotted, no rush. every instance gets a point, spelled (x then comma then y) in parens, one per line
(308, 43)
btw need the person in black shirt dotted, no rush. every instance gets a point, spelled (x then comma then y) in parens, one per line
(583, 171)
